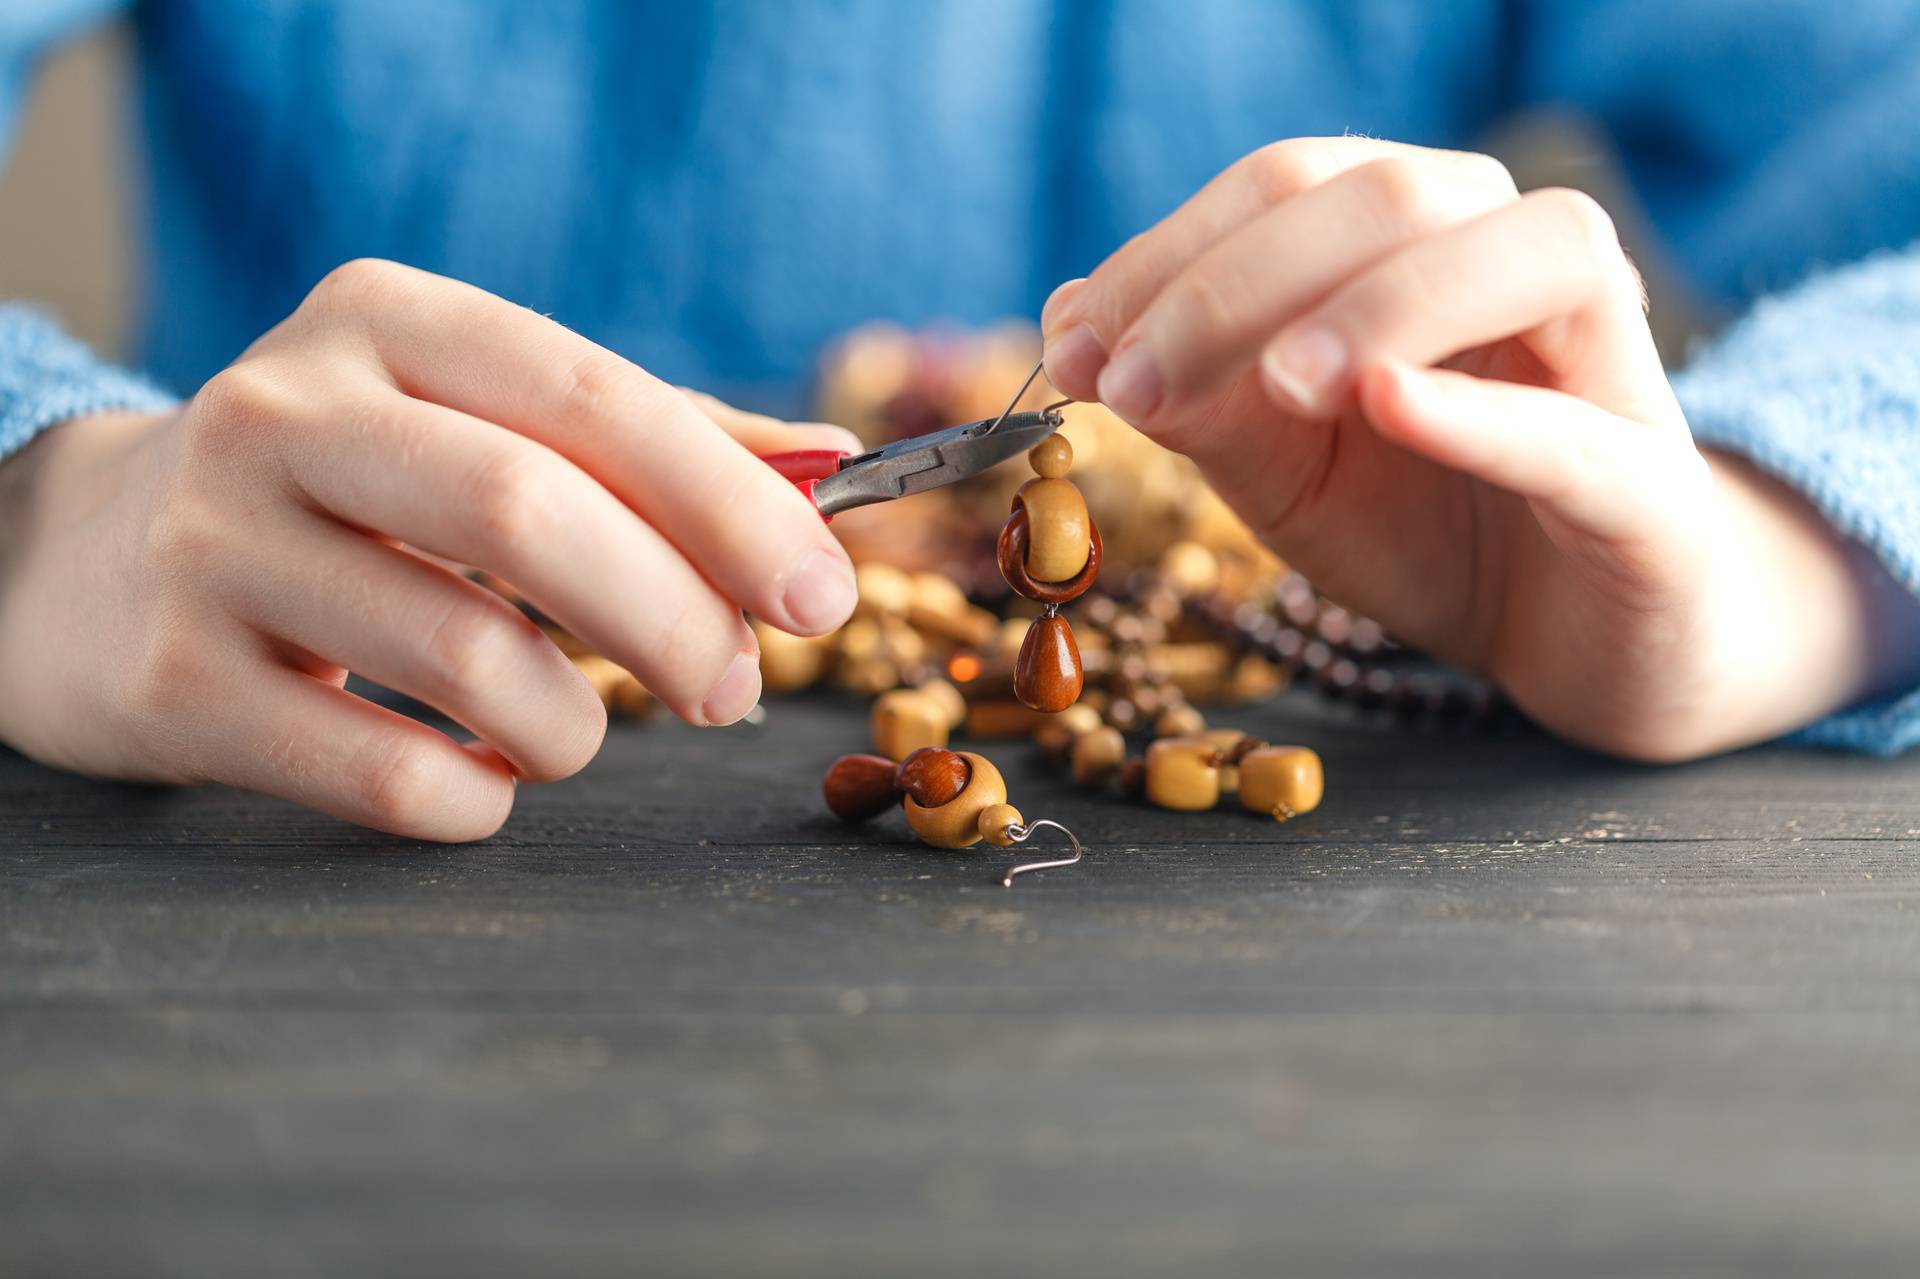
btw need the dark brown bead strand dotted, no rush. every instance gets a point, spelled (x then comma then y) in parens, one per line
(933, 775)
(1047, 674)
(859, 787)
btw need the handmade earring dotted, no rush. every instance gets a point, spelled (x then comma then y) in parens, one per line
(1049, 551)
(952, 799)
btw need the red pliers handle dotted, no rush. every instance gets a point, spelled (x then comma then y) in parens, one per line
(806, 468)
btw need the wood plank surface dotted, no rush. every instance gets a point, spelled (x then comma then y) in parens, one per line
(1499, 1007)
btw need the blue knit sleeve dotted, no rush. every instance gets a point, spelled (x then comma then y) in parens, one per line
(1821, 388)
(48, 377)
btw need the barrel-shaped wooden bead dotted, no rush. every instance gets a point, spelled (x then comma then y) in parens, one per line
(956, 823)
(1183, 773)
(998, 823)
(906, 719)
(1098, 755)
(1281, 781)
(1057, 535)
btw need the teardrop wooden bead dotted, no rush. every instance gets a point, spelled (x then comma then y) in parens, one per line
(858, 787)
(1047, 674)
(933, 775)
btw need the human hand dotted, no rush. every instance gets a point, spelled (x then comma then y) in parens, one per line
(1440, 400)
(182, 596)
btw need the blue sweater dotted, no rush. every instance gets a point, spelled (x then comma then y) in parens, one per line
(714, 188)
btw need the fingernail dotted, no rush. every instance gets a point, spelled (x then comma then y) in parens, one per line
(820, 593)
(1056, 300)
(1075, 358)
(1305, 367)
(1130, 385)
(737, 692)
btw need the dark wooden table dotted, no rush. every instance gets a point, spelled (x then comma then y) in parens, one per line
(1498, 1008)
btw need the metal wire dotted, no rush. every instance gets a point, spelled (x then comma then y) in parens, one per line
(1004, 413)
(1020, 835)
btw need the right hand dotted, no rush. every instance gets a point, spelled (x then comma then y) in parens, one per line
(182, 595)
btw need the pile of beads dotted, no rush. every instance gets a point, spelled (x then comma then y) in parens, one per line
(951, 799)
(1049, 551)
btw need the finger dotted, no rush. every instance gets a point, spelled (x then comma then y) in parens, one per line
(391, 617)
(474, 493)
(305, 740)
(762, 435)
(1600, 473)
(1547, 267)
(1210, 321)
(1082, 324)
(747, 530)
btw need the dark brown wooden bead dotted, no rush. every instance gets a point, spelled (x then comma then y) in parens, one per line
(1047, 674)
(859, 787)
(933, 775)
(1011, 554)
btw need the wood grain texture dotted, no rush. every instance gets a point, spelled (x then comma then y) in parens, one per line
(1495, 1008)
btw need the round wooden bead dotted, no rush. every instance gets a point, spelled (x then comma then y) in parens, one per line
(858, 787)
(952, 704)
(1011, 554)
(934, 775)
(996, 824)
(1052, 457)
(956, 823)
(1098, 755)
(1179, 721)
(1183, 773)
(1282, 781)
(1057, 521)
(906, 719)
(1047, 675)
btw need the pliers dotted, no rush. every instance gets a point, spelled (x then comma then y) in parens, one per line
(838, 481)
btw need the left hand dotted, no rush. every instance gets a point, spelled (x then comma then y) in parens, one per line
(1440, 399)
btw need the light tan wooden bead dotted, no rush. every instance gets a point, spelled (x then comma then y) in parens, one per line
(997, 823)
(1180, 721)
(789, 663)
(944, 695)
(956, 824)
(884, 591)
(1281, 781)
(1189, 568)
(1181, 773)
(1076, 719)
(906, 719)
(1058, 541)
(633, 699)
(1098, 754)
(1052, 457)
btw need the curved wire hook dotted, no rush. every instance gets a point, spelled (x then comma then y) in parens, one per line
(1020, 835)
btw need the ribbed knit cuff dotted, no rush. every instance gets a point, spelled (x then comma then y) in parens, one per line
(47, 377)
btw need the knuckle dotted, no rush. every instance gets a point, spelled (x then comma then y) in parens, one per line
(600, 385)
(470, 651)
(1581, 217)
(1207, 302)
(1404, 193)
(1487, 171)
(1279, 171)
(514, 502)
(395, 782)
(239, 400)
(359, 282)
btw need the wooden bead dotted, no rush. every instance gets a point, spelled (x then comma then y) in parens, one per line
(934, 775)
(1047, 674)
(603, 673)
(789, 663)
(882, 590)
(858, 787)
(1010, 552)
(1179, 721)
(1183, 773)
(1057, 522)
(906, 719)
(1283, 781)
(1232, 744)
(1189, 568)
(1052, 457)
(944, 695)
(956, 823)
(1133, 777)
(1098, 755)
(997, 823)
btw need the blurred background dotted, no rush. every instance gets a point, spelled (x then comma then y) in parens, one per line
(64, 239)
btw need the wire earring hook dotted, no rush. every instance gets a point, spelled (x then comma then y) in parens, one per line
(1020, 835)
